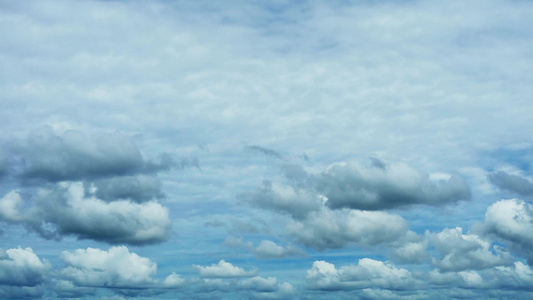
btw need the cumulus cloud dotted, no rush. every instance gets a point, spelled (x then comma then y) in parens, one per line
(512, 221)
(352, 185)
(111, 162)
(260, 284)
(65, 210)
(223, 269)
(383, 186)
(460, 252)
(296, 202)
(512, 183)
(327, 229)
(22, 267)
(368, 273)
(116, 267)
(410, 248)
(269, 249)
(516, 276)
(10, 206)
(265, 249)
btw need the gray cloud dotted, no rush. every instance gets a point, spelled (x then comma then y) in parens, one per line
(66, 210)
(513, 183)
(75, 156)
(354, 186)
(330, 229)
(293, 201)
(265, 151)
(138, 188)
(351, 185)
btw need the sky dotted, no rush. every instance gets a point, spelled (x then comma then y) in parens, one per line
(266, 149)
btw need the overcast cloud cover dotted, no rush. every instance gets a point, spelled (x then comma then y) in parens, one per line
(266, 149)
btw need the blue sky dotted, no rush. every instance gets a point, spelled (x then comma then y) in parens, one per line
(266, 150)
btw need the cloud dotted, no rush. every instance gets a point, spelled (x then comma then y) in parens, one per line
(65, 210)
(269, 249)
(410, 248)
(354, 186)
(223, 269)
(511, 220)
(286, 199)
(330, 229)
(351, 185)
(260, 284)
(75, 156)
(116, 267)
(513, 183)
(265, 151)
(265, 249)
(10, 206)
(138, 188)
(368, 273)
(460, 252)
(22, 267)
(516, 277)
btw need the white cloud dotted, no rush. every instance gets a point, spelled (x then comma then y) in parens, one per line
(22, 267)
(269, 249)
(9, 207)
(260, 284)
(223, 269)
(512, 221)
(173, 281)
(116, 267)
(368, 273)
(460, 251)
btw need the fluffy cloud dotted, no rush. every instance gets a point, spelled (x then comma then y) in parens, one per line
(512, 220)
(517, 276)
(10, 206)
(65, 210)
(223, 269)
(265, 248)
(460, 252)
(386, 186)
(352, 185)
(125, 272)
(410, 248)
(368, 273)
(269, 249)
(22, 267)
(116, 267)
(294, 201)
(513, 183)
(336, 228)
